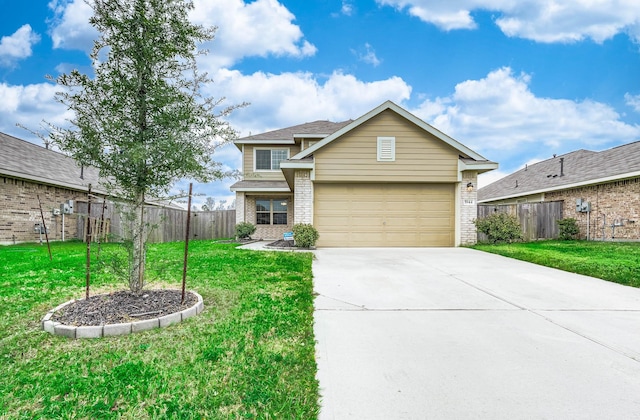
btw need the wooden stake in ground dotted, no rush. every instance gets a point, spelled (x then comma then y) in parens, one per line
(186, 244)
(44, 226)
(88, 236)
(101, 230)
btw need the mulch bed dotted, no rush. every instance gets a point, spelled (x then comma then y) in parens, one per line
(282, 244)
(124, 306)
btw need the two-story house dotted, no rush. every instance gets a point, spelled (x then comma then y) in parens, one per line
(384, 179)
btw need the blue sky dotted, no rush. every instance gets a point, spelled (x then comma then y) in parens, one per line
(515, 80)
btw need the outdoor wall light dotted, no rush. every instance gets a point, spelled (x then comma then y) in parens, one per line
(470, 186)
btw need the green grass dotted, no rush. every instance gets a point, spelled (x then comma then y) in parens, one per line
(249, 354)
(618, 262)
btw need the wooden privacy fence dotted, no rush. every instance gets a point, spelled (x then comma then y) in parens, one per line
(169, 224)
(537, 220)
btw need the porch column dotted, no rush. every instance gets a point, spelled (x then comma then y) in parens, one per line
(469, 208)
(303, 197)
(240, 211)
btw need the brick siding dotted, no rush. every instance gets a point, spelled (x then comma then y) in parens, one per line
(615, 201)
(268, 231)
(240, 210)
(468, 208)
(19, 211)
(303, 206)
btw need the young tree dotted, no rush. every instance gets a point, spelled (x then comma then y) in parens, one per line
(142, 118)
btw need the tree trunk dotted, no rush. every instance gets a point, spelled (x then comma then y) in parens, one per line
(139, 252)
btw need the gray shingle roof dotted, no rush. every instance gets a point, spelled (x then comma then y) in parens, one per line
(316, 127)
(24, 160)
(579, 167)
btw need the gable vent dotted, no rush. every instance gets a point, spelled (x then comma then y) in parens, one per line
(386, 149)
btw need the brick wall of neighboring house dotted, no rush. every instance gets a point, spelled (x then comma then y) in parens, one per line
(19, 211)
(303, 207)
(268, 231)
(610, 203)
(468, 208)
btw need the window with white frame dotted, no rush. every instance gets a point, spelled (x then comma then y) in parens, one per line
(269, 159)
(271, 211)
(386, 149)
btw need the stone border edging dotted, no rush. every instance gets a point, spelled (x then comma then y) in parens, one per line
(109, 330)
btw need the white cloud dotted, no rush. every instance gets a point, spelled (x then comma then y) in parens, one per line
(70, 28)
(633, 101)
(28, 106)
(286, 99)
(368, 55)
(258, 28)
(539, 20)
(347, 8)
(500, 113)
(18, 45)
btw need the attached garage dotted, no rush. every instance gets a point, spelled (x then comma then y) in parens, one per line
(378, 215)
(386, 179)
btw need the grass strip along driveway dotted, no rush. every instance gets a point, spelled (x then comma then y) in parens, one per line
(618, 262)
(250, 354)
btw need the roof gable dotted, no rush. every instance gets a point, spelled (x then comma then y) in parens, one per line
(388, 105)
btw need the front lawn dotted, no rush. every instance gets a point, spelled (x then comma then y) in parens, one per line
(618, 262)
(250, 354)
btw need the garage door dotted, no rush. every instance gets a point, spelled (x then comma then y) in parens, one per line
(375, 215)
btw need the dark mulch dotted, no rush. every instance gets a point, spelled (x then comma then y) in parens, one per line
(282, 244)
(124, 306)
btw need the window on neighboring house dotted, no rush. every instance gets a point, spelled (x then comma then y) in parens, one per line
(269, 159)
(386, 149)
(271, 212)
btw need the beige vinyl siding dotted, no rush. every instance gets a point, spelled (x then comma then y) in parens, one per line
(307, 143)
(379, 215)
(248, 166)
(419, 157)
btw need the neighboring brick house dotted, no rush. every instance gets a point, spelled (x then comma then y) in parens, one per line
(384, 179)
(607, 183)
(29, 171)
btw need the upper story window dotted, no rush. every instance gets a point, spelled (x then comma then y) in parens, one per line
(269, 159)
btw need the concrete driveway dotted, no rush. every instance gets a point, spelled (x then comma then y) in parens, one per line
(424, 333)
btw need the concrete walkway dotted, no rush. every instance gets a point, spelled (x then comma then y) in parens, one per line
(425, 333)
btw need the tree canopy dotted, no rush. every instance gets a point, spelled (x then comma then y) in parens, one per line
(142, 118)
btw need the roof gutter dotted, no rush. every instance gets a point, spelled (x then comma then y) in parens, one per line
(264, 141)
(310, 136)
(48, 181)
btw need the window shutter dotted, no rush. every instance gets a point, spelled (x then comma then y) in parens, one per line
(386, 149)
